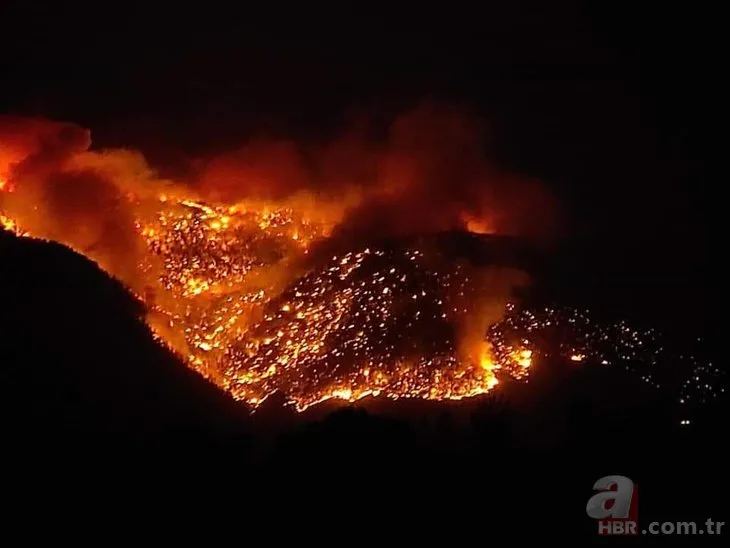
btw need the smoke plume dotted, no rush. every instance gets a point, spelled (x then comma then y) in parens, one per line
(430, 174)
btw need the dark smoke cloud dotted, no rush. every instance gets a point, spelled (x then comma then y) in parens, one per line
(431, 174)
(57, 200)
(32, 147)
(88, 211)
(262, 169)
(434, 174)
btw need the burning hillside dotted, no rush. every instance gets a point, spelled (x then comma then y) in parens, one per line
(266, 277)
(235, 293)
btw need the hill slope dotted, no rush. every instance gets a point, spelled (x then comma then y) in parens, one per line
(78, 359)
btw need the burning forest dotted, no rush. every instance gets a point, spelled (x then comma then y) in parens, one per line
(267, 275)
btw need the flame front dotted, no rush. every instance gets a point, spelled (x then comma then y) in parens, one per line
(365, 323)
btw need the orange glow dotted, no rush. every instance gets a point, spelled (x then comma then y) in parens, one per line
(523, 358)
(489, 366)
(477, 225)
(577, 358)
(5, 183)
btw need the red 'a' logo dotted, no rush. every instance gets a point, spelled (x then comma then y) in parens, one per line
(615, 506)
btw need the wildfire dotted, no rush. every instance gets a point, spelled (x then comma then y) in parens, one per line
(523, 358)
(225, 291)
(246, 294)
(226, 294)
(7, 223)
(365, 323)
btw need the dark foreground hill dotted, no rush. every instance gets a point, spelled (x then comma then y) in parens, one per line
(79, 362)
(81, 371)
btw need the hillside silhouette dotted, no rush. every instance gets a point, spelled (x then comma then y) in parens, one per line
(79, 362)
(81, 370)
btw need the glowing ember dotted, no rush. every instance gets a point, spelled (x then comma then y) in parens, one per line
(572, 334)
(523, 358)
(7, 223)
